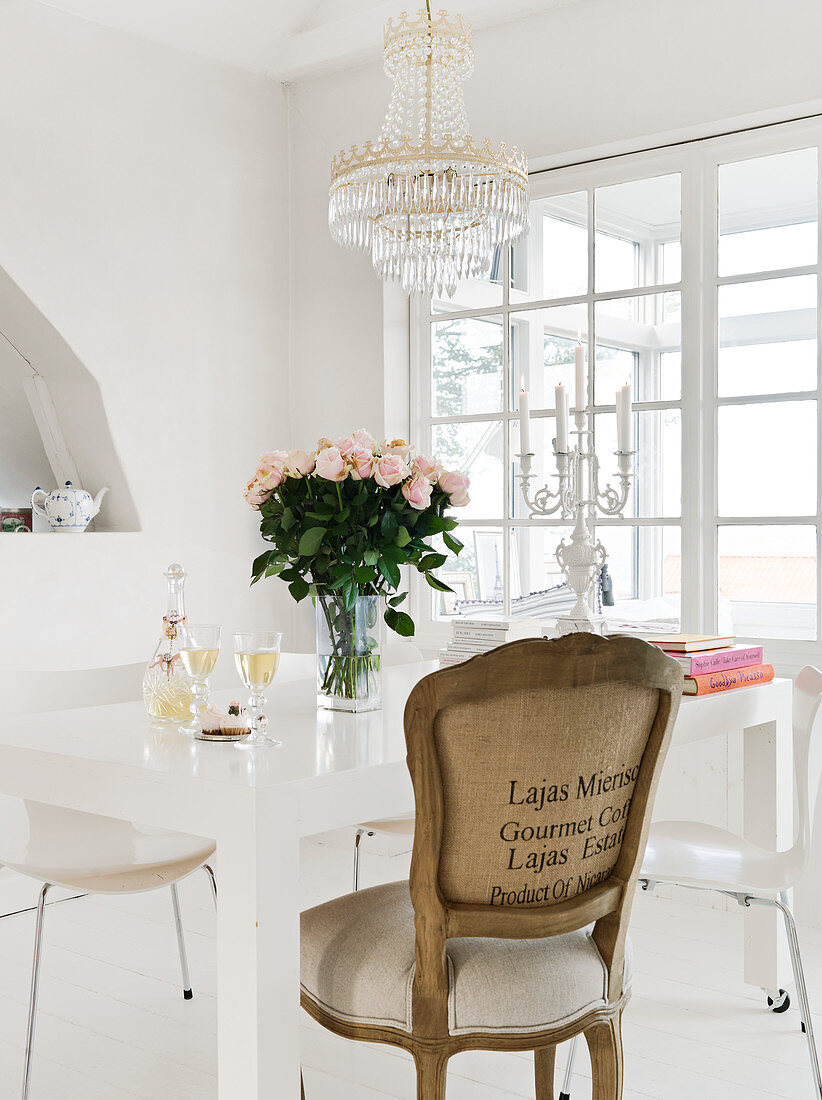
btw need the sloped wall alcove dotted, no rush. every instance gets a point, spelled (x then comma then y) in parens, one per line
(53, 424)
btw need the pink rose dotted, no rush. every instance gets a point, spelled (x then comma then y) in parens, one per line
(397, 447)
(346, 446)
(390, 470)
(254, 495)
(362, 460)
(269, 477)
(331, 465)
(428, 467)
(275, 459)
(362, 437)
(456, 485)
(299, 464)
(417, 492)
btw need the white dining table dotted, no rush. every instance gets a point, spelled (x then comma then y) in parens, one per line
(333, 769)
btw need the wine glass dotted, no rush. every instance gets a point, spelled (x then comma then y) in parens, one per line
(256, 656)
(199, 649)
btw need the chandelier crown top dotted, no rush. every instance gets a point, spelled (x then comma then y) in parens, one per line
(421, 24)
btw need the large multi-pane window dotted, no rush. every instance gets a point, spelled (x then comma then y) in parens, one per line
(693, 275)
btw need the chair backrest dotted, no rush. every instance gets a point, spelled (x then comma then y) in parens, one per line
(534, 769)
(807, 756)
(30, 692)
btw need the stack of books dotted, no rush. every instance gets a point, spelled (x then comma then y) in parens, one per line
(472, 636)
(714, 662)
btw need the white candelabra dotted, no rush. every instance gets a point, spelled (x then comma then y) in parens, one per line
(579, 495)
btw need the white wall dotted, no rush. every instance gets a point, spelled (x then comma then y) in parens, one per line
(144, 214)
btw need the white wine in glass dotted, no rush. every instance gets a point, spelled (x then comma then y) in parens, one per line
(199, 650)
(256, 670)
(257, 656)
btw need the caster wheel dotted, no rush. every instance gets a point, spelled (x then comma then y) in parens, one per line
(781, 1004)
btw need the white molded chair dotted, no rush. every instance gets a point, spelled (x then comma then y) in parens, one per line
(83, 852)
(395, 653)
(704, 857)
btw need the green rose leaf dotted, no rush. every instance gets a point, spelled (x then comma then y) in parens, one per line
(299, 589)
(454, 545)
(310, 541)
(403, 537)
(399, 622)
(260, 564)
(395, 601)
(436, 583)
(371, 557)
(363, 574)
(390, 571)
(389, 525)
(432, 561)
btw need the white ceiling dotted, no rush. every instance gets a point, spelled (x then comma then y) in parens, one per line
(285, 39)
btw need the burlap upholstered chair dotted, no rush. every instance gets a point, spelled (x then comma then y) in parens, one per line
(534, 770)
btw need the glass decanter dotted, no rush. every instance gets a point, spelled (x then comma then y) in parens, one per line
(167, 688)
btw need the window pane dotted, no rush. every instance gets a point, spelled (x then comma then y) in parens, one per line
(474, 293)
(552, 260)
(535, 570)
(767, 213)
(671, 261)
(632, 221)
(467, 366)
(770, 296)
(475, 449)
(750, 484)
(460, 572)
(657, 490)
(767, 368)
(645, 564)
(542, 352)
(638, 341)
(767, 575)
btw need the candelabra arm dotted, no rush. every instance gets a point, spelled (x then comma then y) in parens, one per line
(611, 501)
(544, 502)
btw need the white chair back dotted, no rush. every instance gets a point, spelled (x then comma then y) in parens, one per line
(31, 692)
(807, 754)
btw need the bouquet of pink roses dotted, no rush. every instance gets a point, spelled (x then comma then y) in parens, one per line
(344, 518)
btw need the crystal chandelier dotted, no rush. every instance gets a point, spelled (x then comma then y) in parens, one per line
(430, 204)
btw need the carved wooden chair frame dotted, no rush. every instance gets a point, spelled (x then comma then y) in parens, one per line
(577, 660)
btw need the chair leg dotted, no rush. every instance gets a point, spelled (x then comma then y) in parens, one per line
(431, 1073)
(35, 987)
(544, 1061)
(212, 881)
(360, 834)
(569, 1070)
(801, 989)
(605, 1046)
(181, 943)
(302, 1086)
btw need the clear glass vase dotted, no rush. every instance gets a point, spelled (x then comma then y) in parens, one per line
(349, 652)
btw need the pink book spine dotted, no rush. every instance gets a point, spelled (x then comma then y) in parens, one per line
(704, 663)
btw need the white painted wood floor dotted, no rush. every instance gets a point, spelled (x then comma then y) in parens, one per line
(113, 1024)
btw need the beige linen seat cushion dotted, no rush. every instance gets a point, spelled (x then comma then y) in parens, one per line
(357, 963)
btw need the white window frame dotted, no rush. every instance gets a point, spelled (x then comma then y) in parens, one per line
(697, 163)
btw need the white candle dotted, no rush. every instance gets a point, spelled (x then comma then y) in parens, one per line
(625, 419)
(581, 388)
(562, 417)
(524, 419)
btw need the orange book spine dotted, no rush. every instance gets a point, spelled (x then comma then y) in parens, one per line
(723, 681)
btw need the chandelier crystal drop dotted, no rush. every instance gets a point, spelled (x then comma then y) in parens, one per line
(430, 204)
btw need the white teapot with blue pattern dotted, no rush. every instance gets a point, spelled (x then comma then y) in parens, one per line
(67, 509)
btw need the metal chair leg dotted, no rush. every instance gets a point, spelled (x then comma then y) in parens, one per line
(181, 943)
(357, 838)
(213, 882)
(569, 1070)
(35, 986)
(799, 978)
